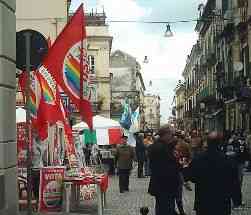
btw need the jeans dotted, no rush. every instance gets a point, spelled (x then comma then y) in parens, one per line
(179, 196)
(147, 167)
(240, 172)
(165, 205)
(140, 169)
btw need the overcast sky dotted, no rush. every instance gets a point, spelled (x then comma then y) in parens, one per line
(167, 56)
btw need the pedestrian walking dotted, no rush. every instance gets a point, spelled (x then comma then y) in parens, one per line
(165, 177)
(140, 154)
(183, 153)
(216, 178)
(148, 140)
(236, 150)
(196, 144)
(124, 158)
(248, 142)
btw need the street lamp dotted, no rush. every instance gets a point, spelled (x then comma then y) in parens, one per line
(146, 60)
(168, 32)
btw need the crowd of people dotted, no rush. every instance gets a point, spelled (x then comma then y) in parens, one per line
(173, 159)
(214, 163)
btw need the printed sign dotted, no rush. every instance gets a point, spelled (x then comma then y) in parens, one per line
(51, 189)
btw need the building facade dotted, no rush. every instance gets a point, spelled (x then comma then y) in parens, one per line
(180, 105)
(152, 112)
(222, 65)
(127, 83)
(99, 44)
(8, 150)
(49, 18)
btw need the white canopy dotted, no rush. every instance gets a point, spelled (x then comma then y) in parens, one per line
(99, 122)
(20, 115)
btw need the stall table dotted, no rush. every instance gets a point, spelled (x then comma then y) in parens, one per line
(72, 190)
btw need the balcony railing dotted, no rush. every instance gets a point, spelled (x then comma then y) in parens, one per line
(242, 13)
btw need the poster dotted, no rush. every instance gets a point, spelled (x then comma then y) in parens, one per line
(73, 167)
(21, 146)
(51, 189)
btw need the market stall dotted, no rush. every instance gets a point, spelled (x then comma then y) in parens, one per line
(83, 186)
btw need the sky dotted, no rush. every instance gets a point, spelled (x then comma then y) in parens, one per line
(167, 56)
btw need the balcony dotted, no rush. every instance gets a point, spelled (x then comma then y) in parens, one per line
(188, 114)
(206, 96)
(211, 58)
(241, 13)
(227, 91)
(203, 61)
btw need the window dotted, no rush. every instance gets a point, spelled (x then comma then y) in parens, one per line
(224, 5)
(91, 62)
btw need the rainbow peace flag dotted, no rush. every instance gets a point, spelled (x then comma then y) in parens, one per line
(72, 73)
(46, 91)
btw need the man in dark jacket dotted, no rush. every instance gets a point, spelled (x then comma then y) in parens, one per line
(216, 180)
(140, 154)
(124, 158)
(165, 178)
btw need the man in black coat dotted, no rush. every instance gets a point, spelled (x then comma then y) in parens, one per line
(216, 180)
(140, 153)
(165, 178)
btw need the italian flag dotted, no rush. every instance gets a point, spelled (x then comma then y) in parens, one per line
(106, 136)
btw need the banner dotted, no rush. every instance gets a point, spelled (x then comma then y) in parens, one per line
(72, 156)
(51, 189)
(135, 127)
(56, 147)
(125, 120)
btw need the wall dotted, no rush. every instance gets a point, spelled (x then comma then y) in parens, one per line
(8, 151)
(124, 82)
(99, 45)
(46, 16)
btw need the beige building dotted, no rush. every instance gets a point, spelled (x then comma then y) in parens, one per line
(127, 84)
(152, 112)
(99, 44)
(217, 73)
(8, 151)
(49, 18)
(180, 105)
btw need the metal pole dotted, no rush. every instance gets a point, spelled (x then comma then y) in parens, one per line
(28, 124)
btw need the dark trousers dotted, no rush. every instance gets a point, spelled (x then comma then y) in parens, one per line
(165, 205)
(124, 179)
(179, 199)
(140, 169)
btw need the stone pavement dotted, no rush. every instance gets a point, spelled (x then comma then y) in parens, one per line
(129, 203)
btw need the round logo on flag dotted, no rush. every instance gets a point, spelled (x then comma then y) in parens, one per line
(71, 69)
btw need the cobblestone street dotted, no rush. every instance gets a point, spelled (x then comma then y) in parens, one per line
(129, 203)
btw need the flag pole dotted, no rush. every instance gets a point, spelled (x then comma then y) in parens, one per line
(28, 124)
(81, 66)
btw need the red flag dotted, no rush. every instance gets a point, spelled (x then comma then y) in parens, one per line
(34, 94)
(48, 104)
(64, 63)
